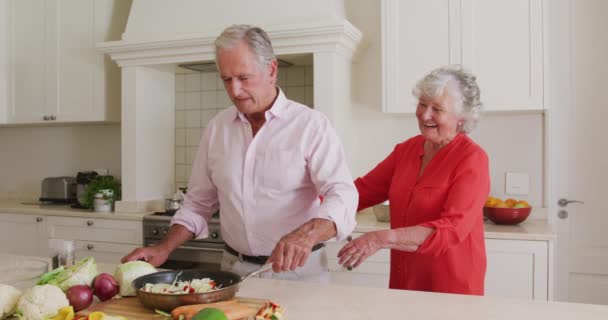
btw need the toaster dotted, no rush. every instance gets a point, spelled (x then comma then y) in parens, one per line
(58, 190)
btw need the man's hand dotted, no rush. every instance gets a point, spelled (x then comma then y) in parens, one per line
(158, 254)
(293, 250)
(155, 255)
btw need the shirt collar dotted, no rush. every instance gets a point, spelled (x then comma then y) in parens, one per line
(278, 109)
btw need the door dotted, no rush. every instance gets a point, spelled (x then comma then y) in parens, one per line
(577, 155)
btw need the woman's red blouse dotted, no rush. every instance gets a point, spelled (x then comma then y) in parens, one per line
(449, 197)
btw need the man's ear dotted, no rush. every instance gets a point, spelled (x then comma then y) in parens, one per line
(273, 70)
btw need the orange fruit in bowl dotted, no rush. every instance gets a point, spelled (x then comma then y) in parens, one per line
(500, 204)
(491, 202)
(510, 202)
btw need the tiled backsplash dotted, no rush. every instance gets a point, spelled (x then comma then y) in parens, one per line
(199, 96)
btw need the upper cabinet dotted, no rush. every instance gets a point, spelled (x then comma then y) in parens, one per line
(500, 41)
(55, 74)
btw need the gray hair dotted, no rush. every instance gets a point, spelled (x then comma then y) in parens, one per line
(461, 85)
(255, 37)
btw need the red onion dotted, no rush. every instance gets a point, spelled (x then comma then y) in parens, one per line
(105, 287)
(80, 296)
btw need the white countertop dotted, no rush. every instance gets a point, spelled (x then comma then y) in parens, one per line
(366, 221)
(304, 300)
(65, 210)
(527, 230)
(316, 301)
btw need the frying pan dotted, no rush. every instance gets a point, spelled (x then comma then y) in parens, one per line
(226, 280)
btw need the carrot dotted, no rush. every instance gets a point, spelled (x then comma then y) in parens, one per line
(190, 310)
(239, 311)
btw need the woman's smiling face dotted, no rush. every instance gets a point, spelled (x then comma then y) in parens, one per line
(438, 118)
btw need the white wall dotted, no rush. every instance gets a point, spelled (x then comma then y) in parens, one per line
(513, 142)
(31, 153)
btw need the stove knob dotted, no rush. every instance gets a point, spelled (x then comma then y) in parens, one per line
(165, 230)
(155, 231)
(215, 235)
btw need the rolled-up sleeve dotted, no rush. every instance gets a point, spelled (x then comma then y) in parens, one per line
(201, 201)
(462, 210)
(331, 176)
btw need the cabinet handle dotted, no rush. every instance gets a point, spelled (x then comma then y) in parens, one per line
(53, 117)
(89, 223)
(46, 118)
(90, 246)
(38, 219)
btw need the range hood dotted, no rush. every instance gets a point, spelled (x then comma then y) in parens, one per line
(162, 34)
(211, 66)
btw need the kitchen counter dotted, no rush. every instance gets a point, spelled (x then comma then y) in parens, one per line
(316, 301)
(527, 230)
(366, 221)
(66, 211)
(357, 303)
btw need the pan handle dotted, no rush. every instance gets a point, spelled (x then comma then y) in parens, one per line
(263, 268)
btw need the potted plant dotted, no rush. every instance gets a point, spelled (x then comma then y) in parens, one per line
(104, 190)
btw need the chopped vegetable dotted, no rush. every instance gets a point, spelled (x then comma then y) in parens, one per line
(182, 287)
(270, 311)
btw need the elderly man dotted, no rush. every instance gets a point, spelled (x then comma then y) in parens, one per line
(264, 162)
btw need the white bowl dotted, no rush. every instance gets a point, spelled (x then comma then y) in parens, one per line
(21, 272)
(382, 213)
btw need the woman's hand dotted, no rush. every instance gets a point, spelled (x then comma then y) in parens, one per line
(357, 250)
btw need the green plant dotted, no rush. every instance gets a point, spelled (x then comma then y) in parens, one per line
(102, 183)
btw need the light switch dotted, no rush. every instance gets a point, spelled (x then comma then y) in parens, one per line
(517, 183)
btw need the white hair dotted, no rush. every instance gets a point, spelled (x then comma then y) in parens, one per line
(461, 86)
(255, 37)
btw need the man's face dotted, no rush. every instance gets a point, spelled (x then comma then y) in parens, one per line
(251, 87)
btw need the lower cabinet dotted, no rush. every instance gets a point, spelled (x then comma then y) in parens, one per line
(106, 240)
(23, 234)
(516, 269)
(103, 252)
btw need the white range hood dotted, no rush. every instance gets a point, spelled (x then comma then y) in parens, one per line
(162, 33)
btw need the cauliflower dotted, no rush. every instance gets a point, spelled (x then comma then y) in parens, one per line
(8, 300)
(40, 302)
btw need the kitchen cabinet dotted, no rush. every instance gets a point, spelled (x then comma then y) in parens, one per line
(518, 269)
(23, 234)
(103, 252)
(104, 239)
(499, 41)
(104, 230)
(55, 74)
(107, 240)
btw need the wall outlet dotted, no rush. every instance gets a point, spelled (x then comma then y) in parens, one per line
(517, 183)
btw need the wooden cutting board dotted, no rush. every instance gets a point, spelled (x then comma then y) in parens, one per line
(132, 309)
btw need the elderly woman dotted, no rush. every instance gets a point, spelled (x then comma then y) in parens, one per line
(437, 184)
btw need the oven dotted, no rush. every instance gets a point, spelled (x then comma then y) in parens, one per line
(205, 253)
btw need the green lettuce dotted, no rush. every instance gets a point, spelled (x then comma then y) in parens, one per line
(83, 272)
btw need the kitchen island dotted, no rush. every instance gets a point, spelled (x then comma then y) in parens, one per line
(318, 301)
